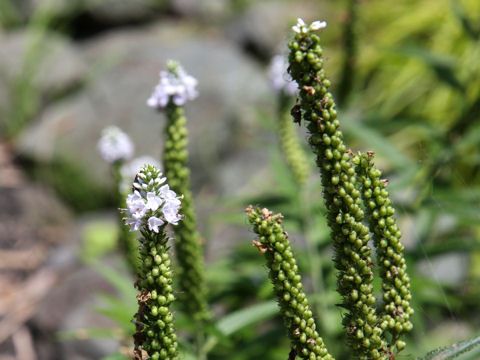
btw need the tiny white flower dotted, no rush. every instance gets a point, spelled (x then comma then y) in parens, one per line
(300, 26)
(154, 223)
(114, 145)
(153, 201)
(317, 25)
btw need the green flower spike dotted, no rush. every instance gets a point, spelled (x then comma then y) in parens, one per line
(294, 307)
(149, 208)
(343, 201)
(386, 238)
(188, 246)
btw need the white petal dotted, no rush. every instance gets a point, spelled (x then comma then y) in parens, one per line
(317, 25)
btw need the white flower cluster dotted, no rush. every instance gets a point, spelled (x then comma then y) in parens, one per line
(114, 145)
(151, 208)
(301, 27)
(176, 85)
(280, 79)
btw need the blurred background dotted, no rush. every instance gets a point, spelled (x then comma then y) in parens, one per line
(406, 76)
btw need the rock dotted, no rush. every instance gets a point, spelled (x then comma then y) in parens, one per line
(449, 269)
(231, 88)
(264, 26)
(206, 10)
(52, 65)
(107, 12)
(121, 11)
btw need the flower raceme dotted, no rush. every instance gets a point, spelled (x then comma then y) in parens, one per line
(151, 204)
(175, 85)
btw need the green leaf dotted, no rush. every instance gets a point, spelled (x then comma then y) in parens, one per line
(121, 281)
(240, 319)
(442, 66)
(467, 25)
(453, 350)
(376, 141)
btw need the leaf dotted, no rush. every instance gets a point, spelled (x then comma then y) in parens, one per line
(119, 280)
(240, 319)
(443, 66)
(453, 350)
(118, 310)
(467, 25)
(376, 141)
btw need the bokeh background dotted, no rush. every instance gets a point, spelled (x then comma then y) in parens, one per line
(406, 75)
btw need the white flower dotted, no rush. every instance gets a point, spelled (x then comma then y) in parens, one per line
(134, 223)
(154, 223)
(301, 27)
(280, 79)
(153, 201)
(136, 205)
(170, 213)
(114, 145)
(317, 25)
(166, 193)
(177, 86)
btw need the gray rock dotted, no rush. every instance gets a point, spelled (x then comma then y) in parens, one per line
(105, 11)
(52, 65)
(122, 11)
(448, 269)
(207, 10)
(231, 88)
(264, 26)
